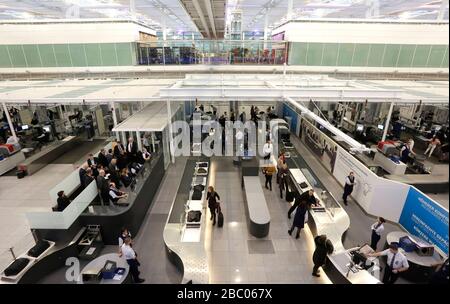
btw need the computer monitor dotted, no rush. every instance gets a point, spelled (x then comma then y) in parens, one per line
(381, 127)
(25, 127)
(359, 128)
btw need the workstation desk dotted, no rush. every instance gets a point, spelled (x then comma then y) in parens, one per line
(50, 153)
(96, 265)
(420, 267)
(329, 218)
(185, 247)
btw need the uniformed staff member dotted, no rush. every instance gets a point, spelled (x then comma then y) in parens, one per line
(377, 230)
(132, 261)
(348, 187)
(396, 263)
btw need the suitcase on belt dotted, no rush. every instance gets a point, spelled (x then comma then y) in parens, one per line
(38, 249)
(16, 267)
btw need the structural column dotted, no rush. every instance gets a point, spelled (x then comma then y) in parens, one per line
(290, 9)
(139, 140)
(388, 120)
(169, 122)
(153, 142)
(114, 116)
(11, 126)
(266, 30)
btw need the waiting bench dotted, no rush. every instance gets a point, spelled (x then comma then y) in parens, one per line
(256, 207)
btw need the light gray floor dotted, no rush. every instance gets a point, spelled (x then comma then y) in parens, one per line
(149, 243)
(30, 194)
(237, 257)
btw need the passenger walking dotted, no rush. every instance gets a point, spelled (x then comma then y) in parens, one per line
(348, 187)
(307, 197)
(434, 142)
(299, 219)
(212, 198)
(282, 178)
(268, 172)
(323, 248)
(377, 229)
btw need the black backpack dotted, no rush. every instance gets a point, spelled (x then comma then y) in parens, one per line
(38, 249)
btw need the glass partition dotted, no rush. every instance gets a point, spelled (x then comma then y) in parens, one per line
(179, 52)
(64, 219)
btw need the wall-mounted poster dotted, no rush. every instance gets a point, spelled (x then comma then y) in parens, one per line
(426, 219)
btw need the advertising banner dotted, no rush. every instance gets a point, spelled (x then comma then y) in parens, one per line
(426, 219)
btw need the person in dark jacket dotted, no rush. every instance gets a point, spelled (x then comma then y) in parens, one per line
(102, 160)
(88, 178)
(308, 197)
(282, 178)
(323, 247)
(212, 198)
(348, 187)
(299, 219)
(113, 172)
(82, 174)
(103, 187)
(62, 201)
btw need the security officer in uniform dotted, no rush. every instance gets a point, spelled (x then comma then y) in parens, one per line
(396, 263)
(377, 230)
(132, 261)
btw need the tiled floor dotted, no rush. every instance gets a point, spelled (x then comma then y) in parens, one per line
(236, 256)
(149, 244)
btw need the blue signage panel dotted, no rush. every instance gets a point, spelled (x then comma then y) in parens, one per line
(426, 219)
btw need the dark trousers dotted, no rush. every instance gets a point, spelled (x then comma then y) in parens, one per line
(389, 277)
(105, 198)
(374, 240)
(296, 203)
(213, 214)
(134, 271)
(347, 192)
(283, 186)
(315, 269)
(298, 230)
(269, 181)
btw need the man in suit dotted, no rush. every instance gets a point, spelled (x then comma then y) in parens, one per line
(82, 173)
(131, 150)
(103, 187)
(114, 175)
(102, 160)
(62, 201)
(120, 154)
(93, 164)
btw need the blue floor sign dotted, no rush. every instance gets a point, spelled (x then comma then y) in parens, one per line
(426, 219)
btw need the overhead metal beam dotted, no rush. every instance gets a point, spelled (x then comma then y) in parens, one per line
(211, 16)
(356, 146)
(202, 17)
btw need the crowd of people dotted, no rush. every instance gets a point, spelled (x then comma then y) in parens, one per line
(113, 171)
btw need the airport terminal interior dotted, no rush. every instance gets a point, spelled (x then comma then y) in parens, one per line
(224, 142)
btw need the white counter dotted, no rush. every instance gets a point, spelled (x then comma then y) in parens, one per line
(388, 165)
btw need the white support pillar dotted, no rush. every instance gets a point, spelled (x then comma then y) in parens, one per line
(169, 122)
(114, 116)
(290, 9)
(442, 10)
(153, 142)
(388, 120)
(11, 126)
(139, 140)
(266, 30)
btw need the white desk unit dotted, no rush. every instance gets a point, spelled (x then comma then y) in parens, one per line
(388, 165)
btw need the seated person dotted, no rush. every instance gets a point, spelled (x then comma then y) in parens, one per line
(13, 141)
(115, 194)
(146, 156)
(62, 201)
(125, 177)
